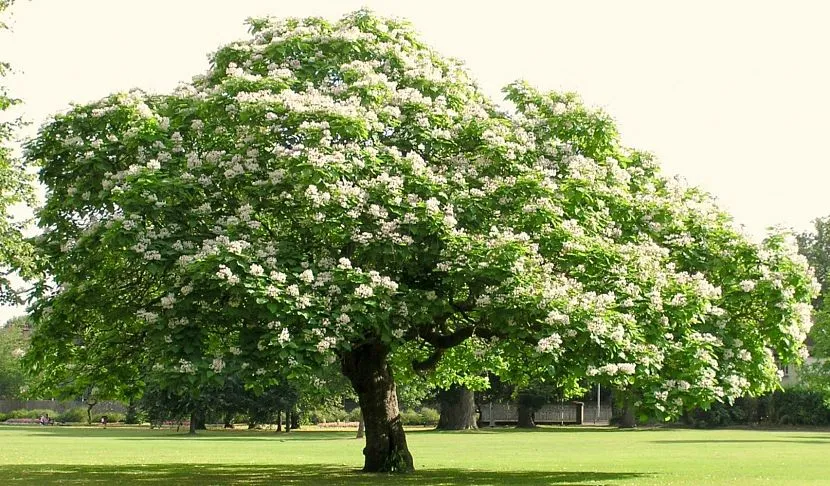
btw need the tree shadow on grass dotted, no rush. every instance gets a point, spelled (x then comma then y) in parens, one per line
(172, 434)
(555, 429)
(294, 475)
(783, 440)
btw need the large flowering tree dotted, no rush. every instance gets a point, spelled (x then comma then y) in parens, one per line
(333, 191)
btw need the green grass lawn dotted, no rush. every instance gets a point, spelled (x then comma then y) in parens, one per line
(560, 456)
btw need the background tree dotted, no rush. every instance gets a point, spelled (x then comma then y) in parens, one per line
(15, 190)
(451, 380)
(14, 342)
(815, 246)
(330, 192)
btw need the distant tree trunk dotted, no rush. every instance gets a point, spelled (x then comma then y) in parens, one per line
(527, 405)
(288, 420)
(361, 428)
(279, 420)
(200, 420)
(458, 409)
(132, 416)
(89, 405)
(228, 420)
(367, 368)
(193, 419)
(525, 417)
(295, 420)
(628, 419)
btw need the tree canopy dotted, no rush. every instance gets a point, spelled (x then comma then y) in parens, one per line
(333, 191)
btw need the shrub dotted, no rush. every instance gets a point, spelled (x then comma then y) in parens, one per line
(797, 406)
(72, 415)
(327, 415)
(354, 415)
(430, 416)
(32, 414)
(4, 417)
(791, 406)
(411, 417)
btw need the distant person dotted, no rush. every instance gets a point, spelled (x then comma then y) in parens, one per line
(42, 419)
(104, 421)
(48, 420)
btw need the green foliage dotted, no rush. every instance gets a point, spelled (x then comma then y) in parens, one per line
(354, 415)
(32, 414)
(424, 416)
(815, 246)
(332, 414)
(430, 416)
(13, 346)
(72, 415)
(16, 253)
(798, 407)
(411, 417)
(790, 406)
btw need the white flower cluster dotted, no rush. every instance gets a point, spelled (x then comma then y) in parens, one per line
(549, 344)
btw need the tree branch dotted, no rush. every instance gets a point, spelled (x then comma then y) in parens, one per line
(445, 341)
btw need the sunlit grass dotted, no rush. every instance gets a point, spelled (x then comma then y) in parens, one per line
(574, 456)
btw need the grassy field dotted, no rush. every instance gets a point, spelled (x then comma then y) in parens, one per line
(558, 456)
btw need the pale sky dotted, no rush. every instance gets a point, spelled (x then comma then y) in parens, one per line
(733, 96)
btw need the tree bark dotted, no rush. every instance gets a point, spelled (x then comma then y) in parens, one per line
(295, 420)
(89, 405)
(628, 419)
(288, 421)
(361, 428)
(458, 409)
(193, 418)
(367, 368)
(201, 420)
(132, 416)
(525, 416)
(279, 420)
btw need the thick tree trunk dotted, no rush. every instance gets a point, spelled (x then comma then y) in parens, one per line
(628, 419)
(367, 368)
(295, 420)
(458, 409)
(525, 416)
(193, 419)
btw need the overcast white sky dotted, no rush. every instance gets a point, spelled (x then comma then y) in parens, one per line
(734, 96)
